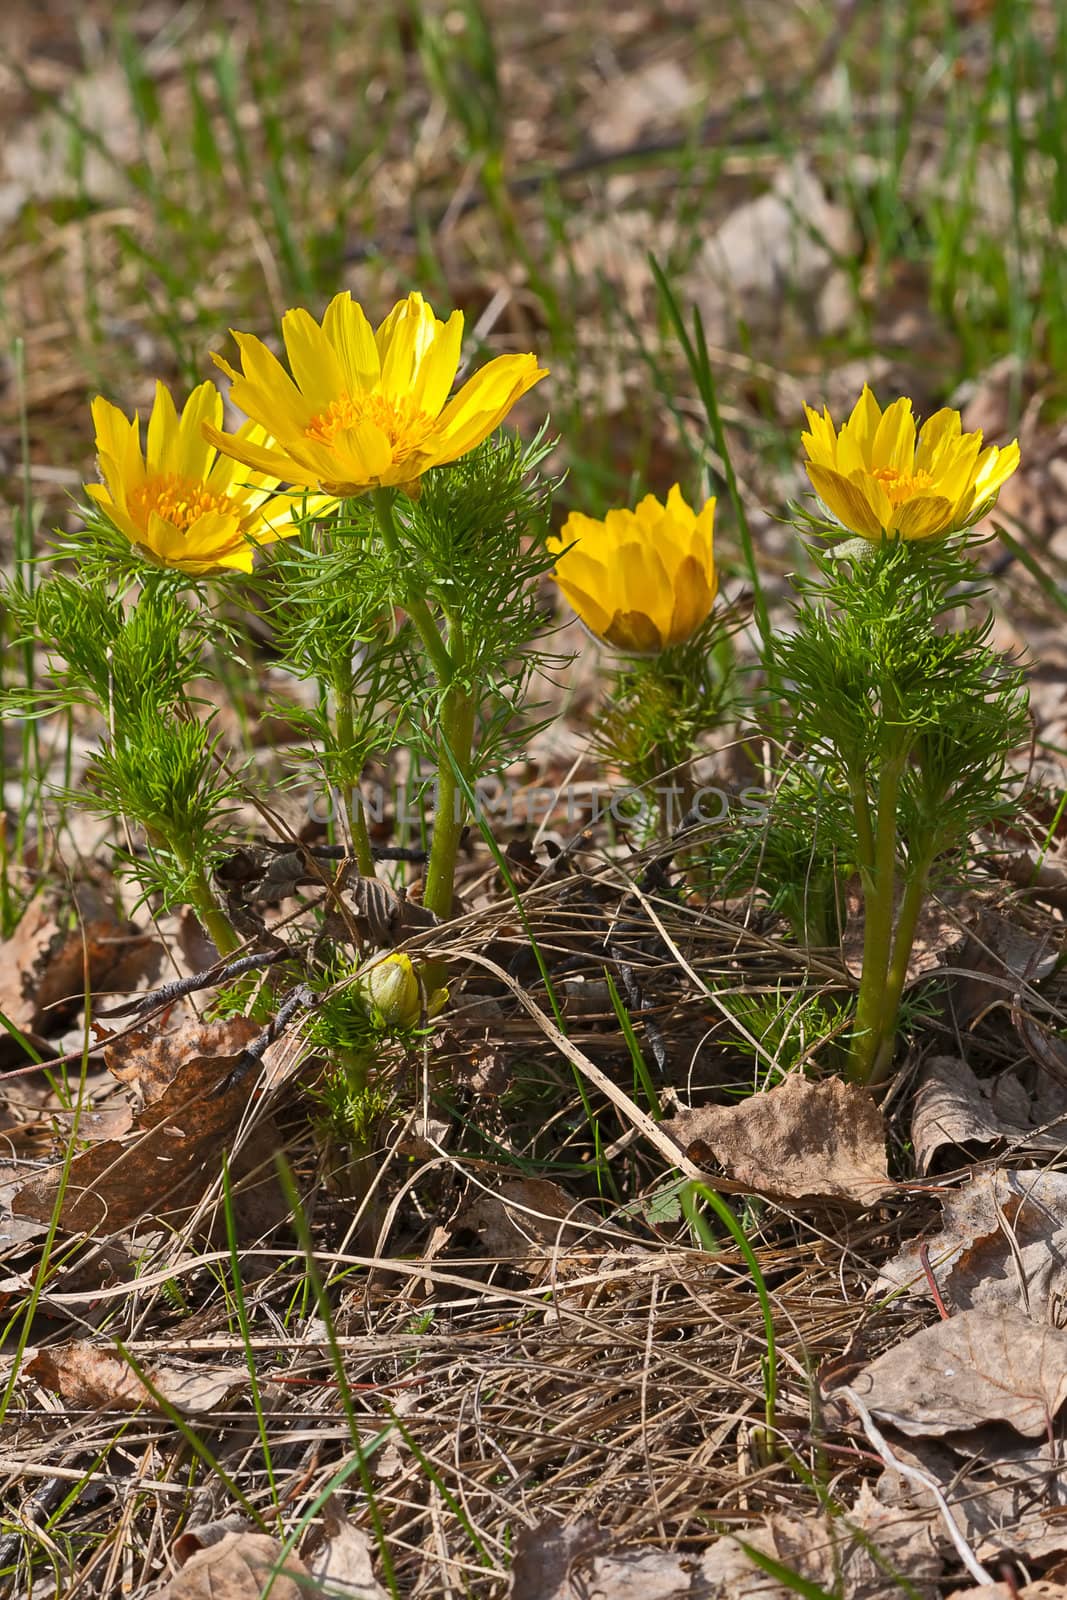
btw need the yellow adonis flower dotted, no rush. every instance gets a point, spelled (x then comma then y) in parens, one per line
(881, 479)
(640, 580)
(180, 502)
(365, 408)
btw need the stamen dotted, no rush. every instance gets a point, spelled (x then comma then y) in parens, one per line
(901, 486)
(404, 425)
(179, 501)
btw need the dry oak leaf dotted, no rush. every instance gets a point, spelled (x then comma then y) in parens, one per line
(798, 1141)
(172, 1153)
(239, 1566)
(45, 964)
(545, 1554)
(977, 1367)
(91, 1378)
(1041, 1590)
(150, 1060)
(342, 1565)
(533, 1224)
(1006, 1494)
(854, 1556)
(1002, 1243)
(858, 1556)
(953, 1108)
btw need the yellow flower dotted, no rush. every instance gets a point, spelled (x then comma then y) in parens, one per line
(881, 481)
(179, 502)
(364, 409)
(392, 986)
(640, 580)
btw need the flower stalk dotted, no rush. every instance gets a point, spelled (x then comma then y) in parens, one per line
(353, 801)
(457, 710)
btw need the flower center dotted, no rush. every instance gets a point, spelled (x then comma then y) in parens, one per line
(179, 501)
(404, 425)
(901, 486)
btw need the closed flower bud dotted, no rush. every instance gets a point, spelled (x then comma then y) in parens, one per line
(641, 580)
(393, 989)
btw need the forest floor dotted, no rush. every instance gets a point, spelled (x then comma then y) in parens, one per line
(531, 1361)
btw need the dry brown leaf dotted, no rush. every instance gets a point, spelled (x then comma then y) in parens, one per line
(1041, 1590)
(239, 1566)
(343, 1565)
(171, 1155)
(855, 1556)
(977, 1367)
(533, 1224)
(545, 1554)
(1001, 953)
(1006, 1494)
(938, 934)
(952, 1108)
(800, 1140)
(630, 103)
(858, 1556)
(1003, 1243)
(45, 963)
(90, 1378)
(149, 1061)
(206, 1533)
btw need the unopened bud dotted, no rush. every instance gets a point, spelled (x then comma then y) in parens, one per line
(393, 989)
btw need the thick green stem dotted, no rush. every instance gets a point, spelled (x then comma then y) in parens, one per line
(413, 603)
(458, 714)
(208, 910)
(457, 738)
(879, 884)
(907, 921)
(353, 801)
(861, 814)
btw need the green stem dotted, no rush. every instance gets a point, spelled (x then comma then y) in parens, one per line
(413, 603)
(207, 909)
(453, 757)
(458, 714)
(879, 884)
(910, 910)
(861, 813)
(357, 818)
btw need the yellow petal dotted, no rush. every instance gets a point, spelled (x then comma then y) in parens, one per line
(923, 517)
(115, 512)
(194, 453)
(693, 597)
(863, 424)
(265, 391)
(937, 440)
(587, 606)
(821, 441)
(162, 452)
(119, 438)
(844, 500)
(438, 367)
(484, 401)
(276, 463)
(642, 583)
(347, 328)
(894, 442)
(404, 345)
(212, 536)
(633, 630)
(315, 363)
(995, 467)
(277, 518)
